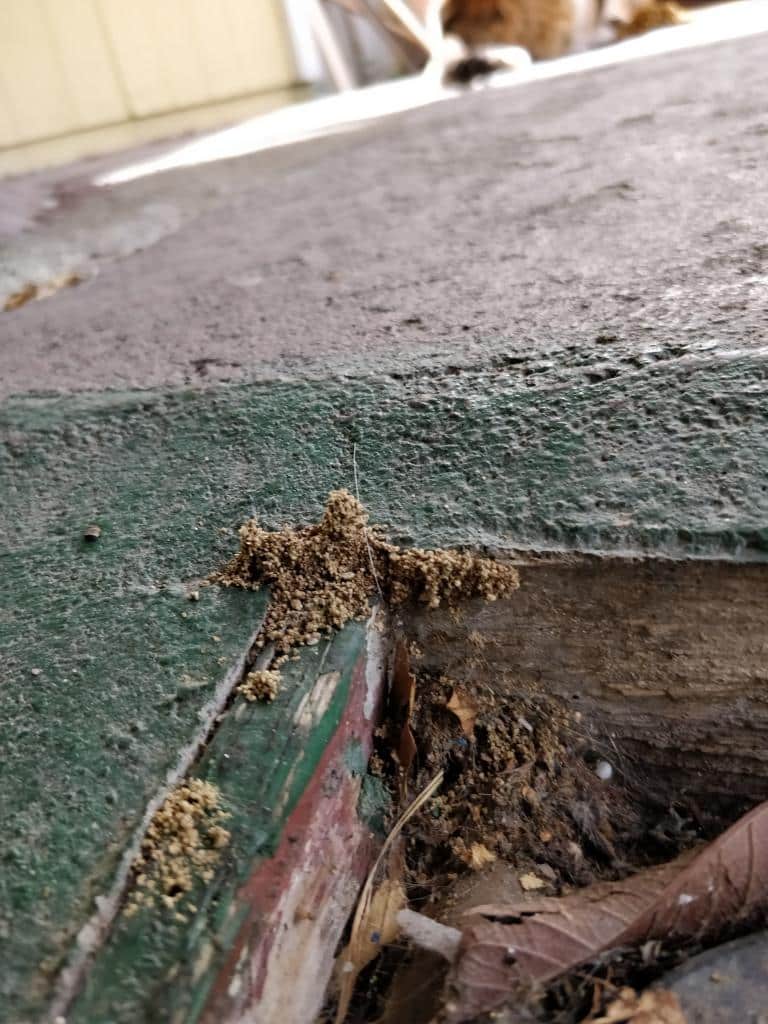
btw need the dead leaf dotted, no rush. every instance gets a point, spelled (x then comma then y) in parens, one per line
(529, 882)
(506, 946)
(370, 925)
(31, 291)
(465, 709)
(480, 856)
(380, 927)
(403, 681)
(655, 1006)
(402, 696)
(20, 298)
(377, 928)
(406, 749)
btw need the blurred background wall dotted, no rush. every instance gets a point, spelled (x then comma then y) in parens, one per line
(69, 65)
(72, 65)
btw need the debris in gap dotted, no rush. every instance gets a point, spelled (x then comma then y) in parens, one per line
(655, 1006)
(322, 576)
(430, 934)
(604, 770)
(530, 882)
(349, 961)
(31, 291)
(401, 697)
(182, 845)
(517, 778)
(522, 811)
(508, 946)
(465, 708)
(480, 856)
(261, 684)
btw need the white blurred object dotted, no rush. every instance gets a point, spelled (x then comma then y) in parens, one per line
(604, 770)
(349, 110)
(340, 70)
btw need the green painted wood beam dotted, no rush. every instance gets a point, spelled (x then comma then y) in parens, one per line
(262, 758)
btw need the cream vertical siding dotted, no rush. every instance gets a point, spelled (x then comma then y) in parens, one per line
(70, 65)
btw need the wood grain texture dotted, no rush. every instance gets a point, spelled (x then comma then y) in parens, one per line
(665, 660)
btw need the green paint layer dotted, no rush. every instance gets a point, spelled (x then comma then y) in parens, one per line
(262, 757)
(105, 665)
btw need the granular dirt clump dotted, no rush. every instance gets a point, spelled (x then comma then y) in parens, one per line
(262, 684)
(182, 844)
(519, 789)
(323, 575)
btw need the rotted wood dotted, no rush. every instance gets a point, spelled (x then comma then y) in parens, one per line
(666, 661)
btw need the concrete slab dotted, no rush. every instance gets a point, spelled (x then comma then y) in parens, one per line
(726, 984)
(623, 202)
(110, 676)
(107, 667)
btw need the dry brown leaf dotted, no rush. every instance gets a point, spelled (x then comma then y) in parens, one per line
(403, 681)
(20, 298)
(655, 1006)
(364, 925)
(406, 748)
(376, 928)
(31, 291)
(480, 856)
(506, 946)
(465, 709)
(403, 694)
(380, 927)
(529, 882)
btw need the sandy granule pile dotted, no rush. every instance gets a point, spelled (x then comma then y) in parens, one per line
(322, 576)
(262, 684)
(183, 842)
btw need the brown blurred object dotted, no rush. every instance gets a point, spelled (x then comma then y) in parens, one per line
(655, 14)
(31, 291)
(543, 27)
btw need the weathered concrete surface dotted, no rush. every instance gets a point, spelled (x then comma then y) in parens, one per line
(725, 985)
(627, 202)
(538, 316)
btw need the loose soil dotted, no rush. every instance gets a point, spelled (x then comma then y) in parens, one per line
(323, 575)
(526, 787)
(525, 807)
